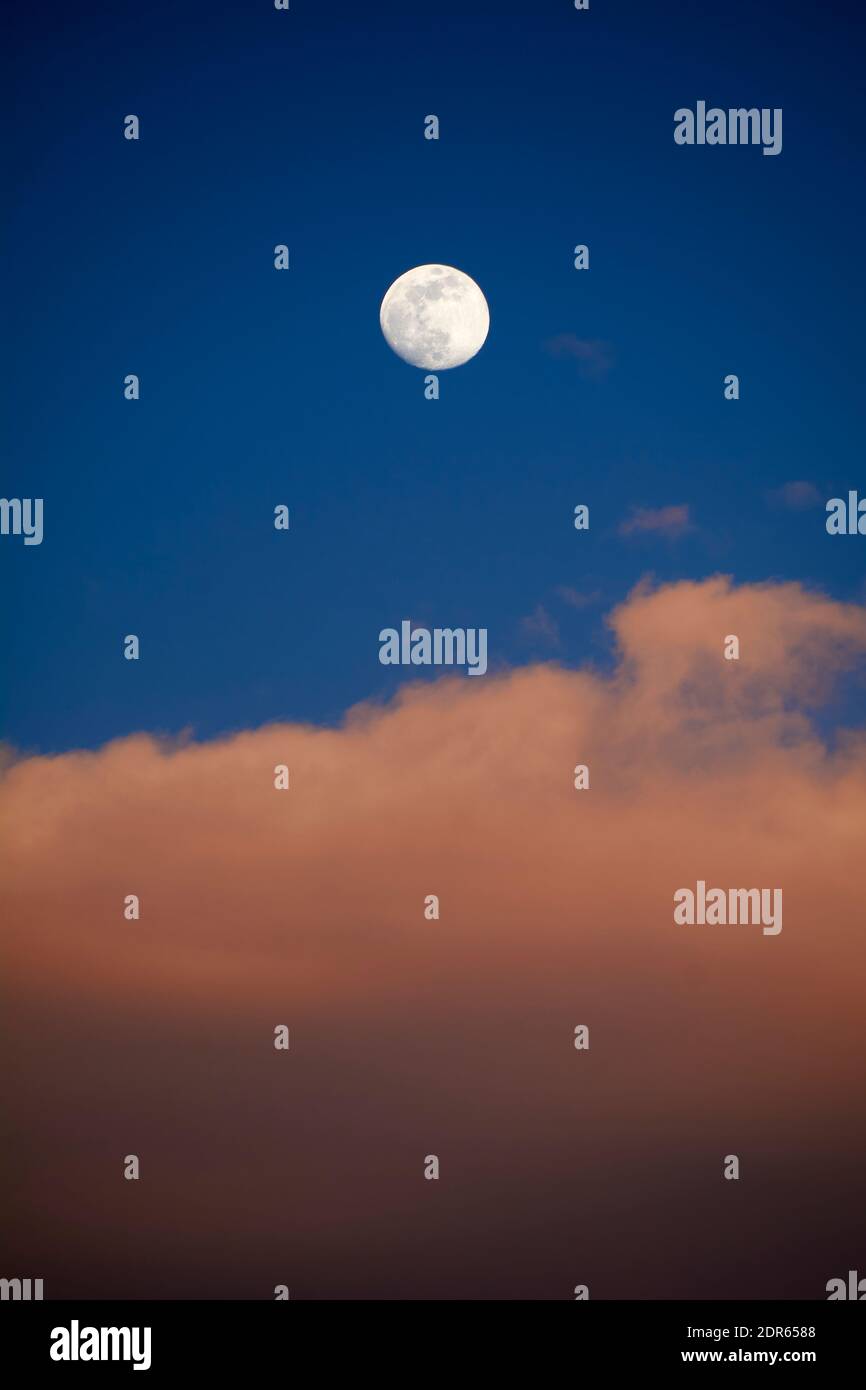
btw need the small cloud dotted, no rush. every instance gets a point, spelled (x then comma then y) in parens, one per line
(594, 357)
(539, 627)
(796, 495)
(574, 599)
(663, 521)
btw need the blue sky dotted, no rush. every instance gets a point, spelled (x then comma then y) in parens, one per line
(261, 387)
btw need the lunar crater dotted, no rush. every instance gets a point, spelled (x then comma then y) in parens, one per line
(435, 316)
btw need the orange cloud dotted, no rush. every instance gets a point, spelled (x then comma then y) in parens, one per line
(454, 1037)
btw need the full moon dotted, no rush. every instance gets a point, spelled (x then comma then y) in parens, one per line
(435, 317)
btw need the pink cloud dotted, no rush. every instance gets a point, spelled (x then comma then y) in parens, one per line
(453, 1037)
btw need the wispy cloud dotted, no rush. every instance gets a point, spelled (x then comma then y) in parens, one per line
(796, 495)
(574, 598)
(540, 627)
(593, 356)
(662, 521)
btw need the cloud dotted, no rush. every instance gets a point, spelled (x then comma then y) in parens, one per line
(412, 1037)
(796, 495)
(575, 599)
(540, 628)
(663, 521)
(593, 356)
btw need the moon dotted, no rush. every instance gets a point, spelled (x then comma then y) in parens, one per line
(435, 317)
